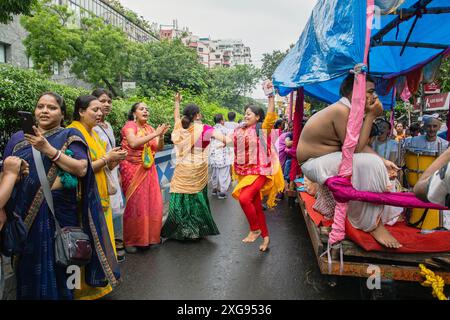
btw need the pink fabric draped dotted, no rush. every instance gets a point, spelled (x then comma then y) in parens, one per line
(354, 125)
(298, 117)
(343, 191)
(406, 94)
(448, 127)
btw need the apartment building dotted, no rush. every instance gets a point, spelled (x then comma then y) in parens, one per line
(12, 34)
(211, 53)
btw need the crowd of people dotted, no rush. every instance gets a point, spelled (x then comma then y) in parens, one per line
(112, 192)
(379, 158)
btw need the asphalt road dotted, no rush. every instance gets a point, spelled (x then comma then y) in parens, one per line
(223, 268)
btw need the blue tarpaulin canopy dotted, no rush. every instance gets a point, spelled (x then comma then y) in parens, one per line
(406, 35)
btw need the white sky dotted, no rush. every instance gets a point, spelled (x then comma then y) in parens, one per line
(262, 25)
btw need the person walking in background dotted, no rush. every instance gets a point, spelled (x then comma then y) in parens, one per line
(86, 115)
(142, 219)
(231, 124)
(400, 132)
(220, 160)
(117, 203)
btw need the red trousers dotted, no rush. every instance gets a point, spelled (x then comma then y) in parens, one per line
(250, 201)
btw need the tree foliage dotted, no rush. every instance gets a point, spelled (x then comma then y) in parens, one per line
(19, 90)
(444, 79)
(9, 8)
(231, 85)
(169, 64)
(270, 61)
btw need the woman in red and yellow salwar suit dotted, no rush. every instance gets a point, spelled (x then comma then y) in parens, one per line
(257, 168)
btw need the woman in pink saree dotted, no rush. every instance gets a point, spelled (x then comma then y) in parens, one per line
(144, 205)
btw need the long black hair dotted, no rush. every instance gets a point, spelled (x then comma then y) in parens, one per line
(59, 100)
(81, 104)
(189, 113)
(257, 111)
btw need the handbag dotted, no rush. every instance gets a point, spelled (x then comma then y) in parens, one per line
(13, 236)
(110, 181)
(72, 244)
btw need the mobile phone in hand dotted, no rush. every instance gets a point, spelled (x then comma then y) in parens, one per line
(26, 121)
(268, 91)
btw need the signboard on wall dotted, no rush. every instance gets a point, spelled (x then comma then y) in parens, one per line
(436, 102)
(432, 88)
(128, 86)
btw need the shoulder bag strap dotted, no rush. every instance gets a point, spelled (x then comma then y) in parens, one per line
(45, 184)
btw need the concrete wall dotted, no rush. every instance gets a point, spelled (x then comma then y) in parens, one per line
(12, 34)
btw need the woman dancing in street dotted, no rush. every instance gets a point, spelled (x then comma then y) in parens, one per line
(257, 168)
(189, 211)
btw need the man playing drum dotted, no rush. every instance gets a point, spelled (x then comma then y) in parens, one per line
(319, 154)
(429, 143)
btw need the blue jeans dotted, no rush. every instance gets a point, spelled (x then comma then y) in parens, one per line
(287, 169)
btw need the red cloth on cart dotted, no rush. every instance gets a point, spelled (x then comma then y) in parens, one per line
(411, 238)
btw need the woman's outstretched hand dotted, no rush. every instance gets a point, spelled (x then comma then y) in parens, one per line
(178, 97)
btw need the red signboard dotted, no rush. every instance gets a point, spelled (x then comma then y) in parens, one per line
(432, 88)
(435, 102)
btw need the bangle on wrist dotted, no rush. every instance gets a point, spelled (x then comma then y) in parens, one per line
(105, 161)
(57, 156)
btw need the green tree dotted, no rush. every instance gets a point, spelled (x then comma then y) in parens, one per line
(96, 52)
(167, 64)
(9, 8)
(104, 55)
(444, 78)
(229, 86)
(50, 40)
(270, 62)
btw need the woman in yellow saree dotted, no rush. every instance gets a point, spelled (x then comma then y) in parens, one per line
(189, 211)
(87, 113)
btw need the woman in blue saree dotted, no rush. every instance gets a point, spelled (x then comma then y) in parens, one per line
(76, 201)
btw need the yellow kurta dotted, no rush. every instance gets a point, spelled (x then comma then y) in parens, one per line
(274, 183)
(97, 149)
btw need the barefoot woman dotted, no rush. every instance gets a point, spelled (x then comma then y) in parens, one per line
(258, 169)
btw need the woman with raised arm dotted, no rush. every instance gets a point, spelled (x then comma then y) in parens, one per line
(257, 167)
(189, 211)
(142, 218)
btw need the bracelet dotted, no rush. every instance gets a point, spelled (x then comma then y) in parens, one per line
(57, 156)
(104, 160)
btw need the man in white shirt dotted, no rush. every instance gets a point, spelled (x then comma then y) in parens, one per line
(231, 124)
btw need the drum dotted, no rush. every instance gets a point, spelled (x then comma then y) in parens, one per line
(416, 163)
(433, 219)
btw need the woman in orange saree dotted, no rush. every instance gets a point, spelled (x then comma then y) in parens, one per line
(144, 205)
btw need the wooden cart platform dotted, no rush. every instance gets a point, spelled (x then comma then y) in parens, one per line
(393, 266)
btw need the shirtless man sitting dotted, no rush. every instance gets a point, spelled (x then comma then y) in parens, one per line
(319, 154)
